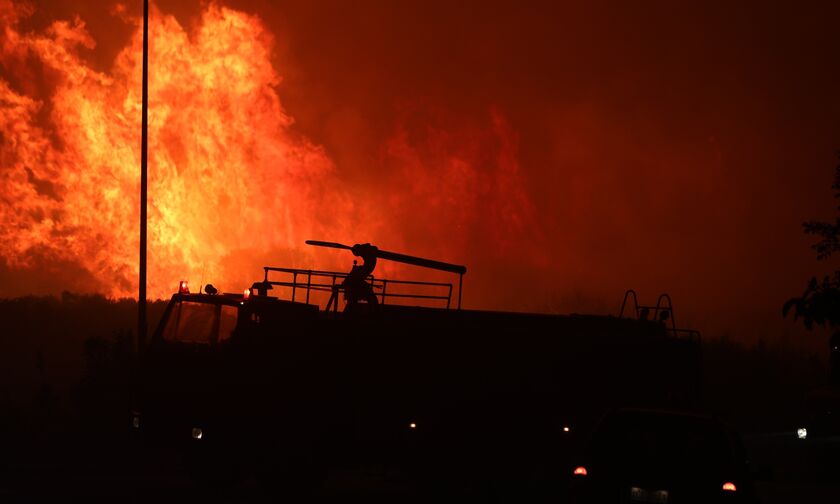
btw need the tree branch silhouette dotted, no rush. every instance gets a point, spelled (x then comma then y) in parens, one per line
(819, 304)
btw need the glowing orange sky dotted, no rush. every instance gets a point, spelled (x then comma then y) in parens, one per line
(563, 153)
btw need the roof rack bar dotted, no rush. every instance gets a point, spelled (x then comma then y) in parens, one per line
(330, 284)
(460, 287)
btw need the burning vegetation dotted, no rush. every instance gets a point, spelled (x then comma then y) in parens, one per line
(232, 184)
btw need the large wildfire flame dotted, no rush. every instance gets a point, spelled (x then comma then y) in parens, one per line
(232, 184)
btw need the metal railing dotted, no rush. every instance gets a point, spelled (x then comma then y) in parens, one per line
(330, 281)
(663, 305)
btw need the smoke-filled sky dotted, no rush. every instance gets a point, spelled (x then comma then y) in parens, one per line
(564, 153)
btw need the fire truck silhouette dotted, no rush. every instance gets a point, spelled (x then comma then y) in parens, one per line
(289, 387)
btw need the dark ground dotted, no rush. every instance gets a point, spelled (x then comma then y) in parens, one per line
(66, 364)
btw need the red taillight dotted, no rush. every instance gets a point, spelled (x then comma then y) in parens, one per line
(580, 471)
(729, 486)
(183, 288)
(247, 294)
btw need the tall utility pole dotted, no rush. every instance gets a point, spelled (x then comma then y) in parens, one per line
(144, 147)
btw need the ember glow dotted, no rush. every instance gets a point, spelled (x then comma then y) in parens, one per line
(232, 186)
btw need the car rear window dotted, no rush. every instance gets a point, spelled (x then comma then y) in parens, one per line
(674, 439)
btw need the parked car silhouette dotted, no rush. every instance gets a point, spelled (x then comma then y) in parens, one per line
(662, 457)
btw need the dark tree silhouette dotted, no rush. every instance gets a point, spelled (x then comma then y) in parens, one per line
(820, 303)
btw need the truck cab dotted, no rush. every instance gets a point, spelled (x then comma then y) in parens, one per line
(211, 369)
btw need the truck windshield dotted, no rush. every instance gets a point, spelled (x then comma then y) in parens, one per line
(191, 322)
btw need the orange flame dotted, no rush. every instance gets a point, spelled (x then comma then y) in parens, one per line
(232, 185)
